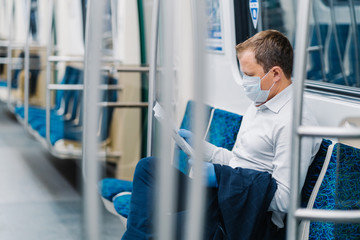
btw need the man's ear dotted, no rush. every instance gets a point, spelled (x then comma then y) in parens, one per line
(277, 73)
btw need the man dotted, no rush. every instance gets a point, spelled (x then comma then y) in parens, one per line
(261, 152)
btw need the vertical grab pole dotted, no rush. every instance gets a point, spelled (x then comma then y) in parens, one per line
(48, 72)
(195, 218)
(93, 48)
(301, 42)
(152, 73)
(26, 69)
(166, 182)
(9, 52)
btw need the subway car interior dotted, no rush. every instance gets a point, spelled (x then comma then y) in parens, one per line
(88, 88)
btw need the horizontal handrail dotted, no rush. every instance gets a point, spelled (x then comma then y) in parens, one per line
(66, 86)
(65, 59)
(81, 87)
(13, 45)
(111, 87)
(126, 68)
(123, 104)
(318, 131)
(314, 48)
(5, 60)
(327, 215)
(4, 43)
(78, 59)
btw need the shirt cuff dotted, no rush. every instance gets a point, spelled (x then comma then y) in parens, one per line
(208, 151)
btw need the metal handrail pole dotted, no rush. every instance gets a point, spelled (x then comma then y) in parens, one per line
(303, 10)
(327, 215)
(74, 87)
(196, 199)
(66, 59)
(93, 37)
(165, 176)
(124, 104)
(329, 132)
(9, 53)
(152, 73)
(143, 69)
(69, 87)
(126, 68)
(27, 66)
(79, 59)
(48, 74)
(4, 43)
(5, 60)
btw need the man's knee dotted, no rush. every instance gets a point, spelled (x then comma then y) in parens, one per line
(144, 167)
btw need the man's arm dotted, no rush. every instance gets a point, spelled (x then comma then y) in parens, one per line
(216, 154)
(282, 164)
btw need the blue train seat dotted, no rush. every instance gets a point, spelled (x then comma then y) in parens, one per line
(66, 116)
(222, 129)
(74, 131)
(71, 76)
(63, 112)
(314, 172)
(339, 189)
(180, 157)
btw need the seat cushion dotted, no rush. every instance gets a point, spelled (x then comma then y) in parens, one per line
(340, 189)
(314, 172)
(122, 204)
(109, 187)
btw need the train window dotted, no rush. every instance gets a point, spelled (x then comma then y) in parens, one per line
(338, 2)
(333, 52)
(333, 63)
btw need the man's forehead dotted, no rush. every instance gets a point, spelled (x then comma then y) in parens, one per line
(247, 60)
(247, 55)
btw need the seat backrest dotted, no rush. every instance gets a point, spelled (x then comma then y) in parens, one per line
(187, 123)
(223, 129)
(314, 172)
(340, 189)
(106, 113)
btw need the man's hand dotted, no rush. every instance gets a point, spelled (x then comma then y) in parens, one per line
(187, 135)
(209, 172)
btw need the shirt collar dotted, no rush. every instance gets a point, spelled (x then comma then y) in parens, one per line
(278, 101)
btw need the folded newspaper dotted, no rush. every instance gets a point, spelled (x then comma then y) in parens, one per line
(165, 120)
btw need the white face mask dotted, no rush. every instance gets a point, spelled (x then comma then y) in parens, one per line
(253, 90)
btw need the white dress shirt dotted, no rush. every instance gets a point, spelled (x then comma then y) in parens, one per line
(263, 143)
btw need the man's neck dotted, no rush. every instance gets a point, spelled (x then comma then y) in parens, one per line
(283, 83)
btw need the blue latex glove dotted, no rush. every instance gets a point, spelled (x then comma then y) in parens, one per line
(187, 135)
(210, 173)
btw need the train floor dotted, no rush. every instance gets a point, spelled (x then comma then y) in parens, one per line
(40, 196)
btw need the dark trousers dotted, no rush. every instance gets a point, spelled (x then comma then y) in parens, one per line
(140, 224)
